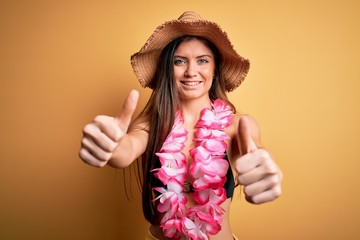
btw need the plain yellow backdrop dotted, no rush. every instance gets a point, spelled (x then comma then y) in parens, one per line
(63, 62)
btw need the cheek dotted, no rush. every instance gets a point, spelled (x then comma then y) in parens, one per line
(177, 73)
(209, 73)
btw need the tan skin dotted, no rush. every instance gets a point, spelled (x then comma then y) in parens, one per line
(110, 141)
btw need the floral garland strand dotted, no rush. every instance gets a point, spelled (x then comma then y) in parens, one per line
(208, 168)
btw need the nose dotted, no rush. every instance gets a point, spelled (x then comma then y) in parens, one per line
(191, 70)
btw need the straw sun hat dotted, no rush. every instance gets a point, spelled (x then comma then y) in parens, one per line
(233, 67)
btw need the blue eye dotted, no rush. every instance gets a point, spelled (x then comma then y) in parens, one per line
(179, 61)
(203, 60)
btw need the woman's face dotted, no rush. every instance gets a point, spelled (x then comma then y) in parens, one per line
(194, 68)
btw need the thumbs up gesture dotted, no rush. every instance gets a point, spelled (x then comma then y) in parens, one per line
(257, 171)
(101, 137)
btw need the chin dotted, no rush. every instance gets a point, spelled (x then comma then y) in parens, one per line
(193, 96)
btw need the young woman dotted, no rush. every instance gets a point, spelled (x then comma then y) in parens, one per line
(193, 146)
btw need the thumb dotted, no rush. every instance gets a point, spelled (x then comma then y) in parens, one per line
(246, 142)
(123, 119)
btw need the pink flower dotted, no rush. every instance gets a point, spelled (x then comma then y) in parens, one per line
(200, 154)
(204, 134)
(215, 184)
(219, 118)
(214, 146)
(215, 196)
(205, 213)
(222, 109)
(177, 137)
(173, 165)
(195, 229)
(207, 169)
(210, 211)
(203, 182)
(207, 174)
(217, 167)
(170, 197)
(172, 160)
(208, 119)
(172, 227)
(173, 144)
(167, 173)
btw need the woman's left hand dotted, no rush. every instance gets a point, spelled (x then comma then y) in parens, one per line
(257, 171)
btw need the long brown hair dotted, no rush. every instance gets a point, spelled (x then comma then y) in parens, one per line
(160, 113)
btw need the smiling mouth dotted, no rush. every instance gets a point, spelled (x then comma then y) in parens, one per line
(190, 83)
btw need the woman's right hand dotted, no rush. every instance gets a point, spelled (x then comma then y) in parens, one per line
(102, 136)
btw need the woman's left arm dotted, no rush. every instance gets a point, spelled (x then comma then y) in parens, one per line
(257, 170)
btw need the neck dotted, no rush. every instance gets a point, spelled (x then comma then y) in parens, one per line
(191, 108)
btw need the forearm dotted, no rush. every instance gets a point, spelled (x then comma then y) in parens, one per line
(130, 147)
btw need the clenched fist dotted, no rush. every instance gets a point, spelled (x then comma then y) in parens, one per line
(102, 136)
(257, 171)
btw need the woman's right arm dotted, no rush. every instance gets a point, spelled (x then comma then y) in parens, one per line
(106, 140)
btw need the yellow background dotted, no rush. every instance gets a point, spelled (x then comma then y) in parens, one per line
(63, 62)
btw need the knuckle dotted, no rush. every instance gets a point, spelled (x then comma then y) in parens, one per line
(248, 191)
(252, 200)
(88, 129)
(99, 118)
(241, 180)
(276, 192)
(273, 180)
(88, 158)
(112, 146)
(107, 145)
(102, 120)
(99, 164)
(275, 171)
(239, 166)
(84, 142)
(269, 167)
(118, 134)
(264, 155)
(82, 154)
(104, 156)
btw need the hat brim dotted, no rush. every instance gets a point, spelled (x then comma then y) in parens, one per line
(233, 67)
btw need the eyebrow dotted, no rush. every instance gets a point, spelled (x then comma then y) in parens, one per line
(200, 56)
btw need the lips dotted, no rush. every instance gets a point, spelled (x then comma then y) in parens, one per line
(190, 83)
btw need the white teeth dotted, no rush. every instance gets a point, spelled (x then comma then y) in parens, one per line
(191, 83)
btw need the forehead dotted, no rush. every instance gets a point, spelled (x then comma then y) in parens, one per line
(194, 46)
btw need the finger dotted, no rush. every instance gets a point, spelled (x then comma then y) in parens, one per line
(103, 131)
(124, 117)
(266, 196)
(95, 150)
(88, 158)
(251, 176)
(246, 143)
(261, 186)
(246, 163)
(255, 166)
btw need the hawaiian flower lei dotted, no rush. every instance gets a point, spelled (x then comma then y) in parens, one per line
(208, 168)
